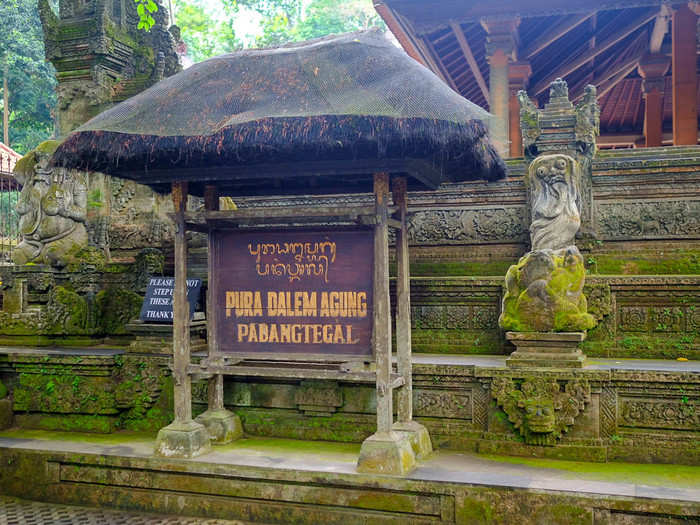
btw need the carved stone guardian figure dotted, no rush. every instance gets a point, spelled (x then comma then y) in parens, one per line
(52, 210)
(544, 308)
(553, 182)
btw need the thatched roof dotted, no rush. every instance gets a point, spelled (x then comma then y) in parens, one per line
(333, 108)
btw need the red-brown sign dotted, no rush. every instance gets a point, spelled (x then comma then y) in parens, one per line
(293, 292)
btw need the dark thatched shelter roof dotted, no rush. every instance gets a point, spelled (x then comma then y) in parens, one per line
(324, 113)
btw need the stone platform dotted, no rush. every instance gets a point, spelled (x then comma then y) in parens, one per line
(632, 410)
(288, 481)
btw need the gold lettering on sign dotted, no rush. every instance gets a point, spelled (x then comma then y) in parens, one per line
(295, 333)
(293, 260)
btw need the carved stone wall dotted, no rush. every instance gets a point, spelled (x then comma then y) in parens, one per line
(640, 196)
(596, 414)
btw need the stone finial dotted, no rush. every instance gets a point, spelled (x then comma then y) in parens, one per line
(576, 126)
(529, 121)
(558, 89)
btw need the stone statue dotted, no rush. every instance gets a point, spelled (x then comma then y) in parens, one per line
(553, 182)
(544, 290)
(52, 210)
(558, 89)
(529, 123)
(544, 293)
(588, 121)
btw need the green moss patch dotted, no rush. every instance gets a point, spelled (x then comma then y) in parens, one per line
(680, 476)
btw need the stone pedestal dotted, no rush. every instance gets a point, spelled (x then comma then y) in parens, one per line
(223, 426)
(182, 439)
(417, 435)
(387, 453)
(546, 349)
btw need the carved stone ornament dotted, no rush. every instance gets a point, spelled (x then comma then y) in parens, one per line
(529, 120)
(544, 292)
(52, 210)
(539, 407)
(553, 183)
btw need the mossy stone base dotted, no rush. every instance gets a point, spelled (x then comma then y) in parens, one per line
(182, 439)
(417, 435)
(6, 414)
(546, 349)
(386, 453)
(223, 426)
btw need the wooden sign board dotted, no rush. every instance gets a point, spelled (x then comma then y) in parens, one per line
(293, 292)
(157, 306)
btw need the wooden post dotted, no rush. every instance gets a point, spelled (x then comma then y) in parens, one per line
(216, 383)
(382, 315)
(403, 306)
(416, 433)
(501, 46)
(181, 310)
(653, 69)
(684, 71)
(385, 451)
(184, 437)
(223, 426)
(518, 76)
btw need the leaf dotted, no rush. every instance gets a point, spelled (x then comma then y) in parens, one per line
(151, 6)
(141, 10)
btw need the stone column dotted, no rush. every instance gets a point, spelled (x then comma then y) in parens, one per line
(518, 76)
(684, 71)
(653, 70)
(500, 51)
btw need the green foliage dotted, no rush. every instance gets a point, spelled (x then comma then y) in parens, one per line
(145, 8)
(208, 27)
(9, 220)
(286, 21)
(206, 32)
(30, 77)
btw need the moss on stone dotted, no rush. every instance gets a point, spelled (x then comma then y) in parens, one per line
(457, 268)
(26, 164)
(67, 422)
(67, 312)
(116, 306)
(673, 262)
(544, 293)
(85, 256)
(645, 346)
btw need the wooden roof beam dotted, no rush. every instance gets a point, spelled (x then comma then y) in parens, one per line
(572, 65)
(417, 48)
(464, 45)
(558, 31)
(400, 32)
(606, 86)
(661, 26)
(438, 66)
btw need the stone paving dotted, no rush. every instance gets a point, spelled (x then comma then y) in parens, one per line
(15, 511)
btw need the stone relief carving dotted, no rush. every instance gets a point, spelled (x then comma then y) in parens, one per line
(505, 224)
(441, 403)
(660, 413)
(454, 317)
(553, 182)
(52, 211)
(540, 408)
(649, 219)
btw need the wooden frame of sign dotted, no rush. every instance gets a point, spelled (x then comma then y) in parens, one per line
(386, 451)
